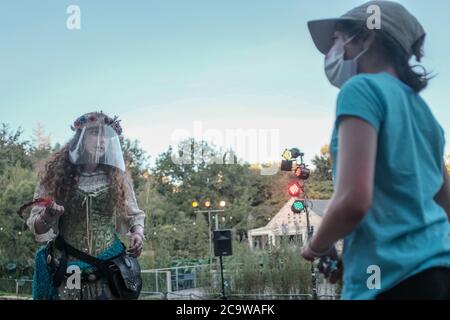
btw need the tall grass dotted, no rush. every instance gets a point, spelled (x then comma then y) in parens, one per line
(279, 270)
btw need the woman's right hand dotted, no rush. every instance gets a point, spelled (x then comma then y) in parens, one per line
(48, 218)
(54, 211)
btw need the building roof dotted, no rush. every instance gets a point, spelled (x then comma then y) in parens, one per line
(319, 206)
(286, 222)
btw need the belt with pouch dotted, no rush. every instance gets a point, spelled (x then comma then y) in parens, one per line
(122, 272)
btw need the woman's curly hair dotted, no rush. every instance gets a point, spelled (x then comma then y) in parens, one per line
(59, 177)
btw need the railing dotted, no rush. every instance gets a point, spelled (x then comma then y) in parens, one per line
(246, 296)
(249, 296)
(268, 296)
(166, 280)
(157, 283)
(16, 287)
(182, 282)
(198, 282)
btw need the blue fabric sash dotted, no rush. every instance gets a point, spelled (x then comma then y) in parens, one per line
(43, 288)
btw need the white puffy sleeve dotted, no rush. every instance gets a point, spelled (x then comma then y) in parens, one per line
(35, 212)
(133, 215)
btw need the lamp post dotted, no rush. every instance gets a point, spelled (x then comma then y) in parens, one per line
(209, 211)
(297, 189)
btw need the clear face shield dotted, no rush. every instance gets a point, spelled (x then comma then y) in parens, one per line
(97, 144)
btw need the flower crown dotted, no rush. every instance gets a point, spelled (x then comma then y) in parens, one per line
(97, 117)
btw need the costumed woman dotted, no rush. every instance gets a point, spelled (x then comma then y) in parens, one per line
(92, 202)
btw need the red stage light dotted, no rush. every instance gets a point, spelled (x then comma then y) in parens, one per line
(294, 189)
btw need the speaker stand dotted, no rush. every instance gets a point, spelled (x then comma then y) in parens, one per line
(223, 297)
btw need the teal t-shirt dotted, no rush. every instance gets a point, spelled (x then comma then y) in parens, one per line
(405, 231)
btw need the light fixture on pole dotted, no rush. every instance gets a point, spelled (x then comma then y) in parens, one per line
(298, 206)
(294, 189)
(290, 161)
(209, 211)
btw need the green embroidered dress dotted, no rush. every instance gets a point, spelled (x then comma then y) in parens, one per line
(89, 225)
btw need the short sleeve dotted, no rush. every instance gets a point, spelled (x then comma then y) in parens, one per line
(360, 98)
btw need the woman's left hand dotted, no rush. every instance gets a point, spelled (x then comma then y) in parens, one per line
(136, 244)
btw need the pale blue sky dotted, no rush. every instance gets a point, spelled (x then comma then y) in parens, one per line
(161, 65)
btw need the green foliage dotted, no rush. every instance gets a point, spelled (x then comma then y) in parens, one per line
(135, 160)
(252, 200)
(18, 160)
(323, 164)
(181, 183)
(280, 270)
(167, 196)
(12, 150)
(320, 184)
(17, 245)
(320, 189)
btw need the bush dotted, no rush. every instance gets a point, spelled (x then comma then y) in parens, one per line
(250, 273)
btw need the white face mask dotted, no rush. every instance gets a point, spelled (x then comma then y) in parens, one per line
(337, 69)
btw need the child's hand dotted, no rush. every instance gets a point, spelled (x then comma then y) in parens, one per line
(337, 274)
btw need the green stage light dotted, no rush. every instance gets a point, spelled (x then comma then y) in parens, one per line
(298, 206)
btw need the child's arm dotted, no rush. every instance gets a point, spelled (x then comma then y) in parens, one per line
(352, 199)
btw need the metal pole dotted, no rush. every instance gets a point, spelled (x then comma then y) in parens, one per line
(217, 221)
(313, 273)
(195, 277)
(169, 280)
(176, 277)
(210, 231)
(308, 227)
(210, 241)
(217, 228)
(223, 284)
